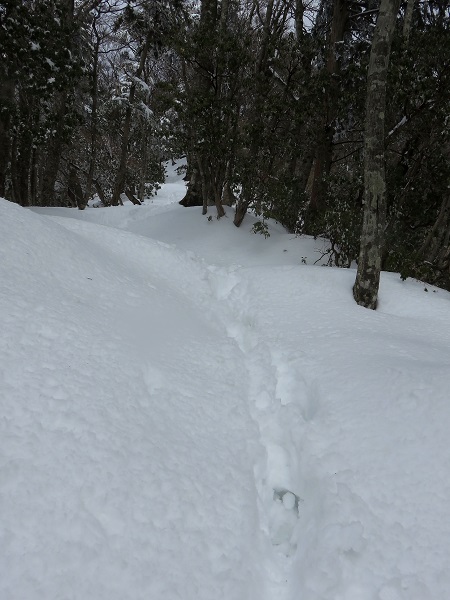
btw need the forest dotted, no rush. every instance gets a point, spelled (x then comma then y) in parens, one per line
(330, 116)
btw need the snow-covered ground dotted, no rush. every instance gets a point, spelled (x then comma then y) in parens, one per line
(191, 411)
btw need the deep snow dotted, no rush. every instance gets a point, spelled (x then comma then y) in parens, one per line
(191, 411)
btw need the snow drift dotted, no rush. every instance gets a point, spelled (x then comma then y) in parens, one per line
(190, 411)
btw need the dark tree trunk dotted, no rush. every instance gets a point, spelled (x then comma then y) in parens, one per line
(53, 155)
(34, 168)
(119, 182)
(23, 172)
(241, 211)
(6, 95)
(131, 197)
(211, 168)
(93, 157)
(75, 191)
(365, 290)
(228, 198)
(55, 146)
(218, 201)
(408, 20)
(261, 75)
(324, 151)
(143, 169)
(101, 193)
(193, 196)
(21, 154)
(299, 12)
(434, 254)
(437, 240)
(205, 187)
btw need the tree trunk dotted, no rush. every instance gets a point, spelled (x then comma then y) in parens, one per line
(365, 290)
(241, 211)
(143, 167)
(119, 182)
(75, 191)
(193, 196)
(435, 251)
(218, 202)
(262, 59)
(205, 188)
(93, 157)
(228, 198)
(101, 193)
(6, 96)
(56, 143)
(323, 158)
(131, 197)
(435, 240)
(408, 20)
(53, 153)
(21, 159)
(34, 167)
(299, 12)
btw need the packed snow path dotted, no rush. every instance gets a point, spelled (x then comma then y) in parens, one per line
(197, 413)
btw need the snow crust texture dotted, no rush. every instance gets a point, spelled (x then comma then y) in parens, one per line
(190, 411)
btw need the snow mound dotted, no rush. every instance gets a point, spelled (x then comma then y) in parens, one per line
(126, 449)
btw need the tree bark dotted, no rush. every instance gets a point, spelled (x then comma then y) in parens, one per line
(53, 153)
(193, 196)
(241, 211)
(205, 187)
(75, 191)
(298, 15)
(21, 153)
(6, 95)
(93, 140)
(365, 290)
(438, 234)
(56, 143)
(323, 158)
(143, 167)
(119, 182)
(131, 197)
(408, 20)
(228, 198)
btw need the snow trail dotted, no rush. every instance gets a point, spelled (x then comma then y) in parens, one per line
(278, 503)
(193, 412)
(225, 302)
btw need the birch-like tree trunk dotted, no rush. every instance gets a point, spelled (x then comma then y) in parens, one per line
(365, 290)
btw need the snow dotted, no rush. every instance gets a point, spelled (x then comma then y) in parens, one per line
(191, 411)
(402, 121)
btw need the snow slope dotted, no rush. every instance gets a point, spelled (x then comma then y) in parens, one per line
(191, 411)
